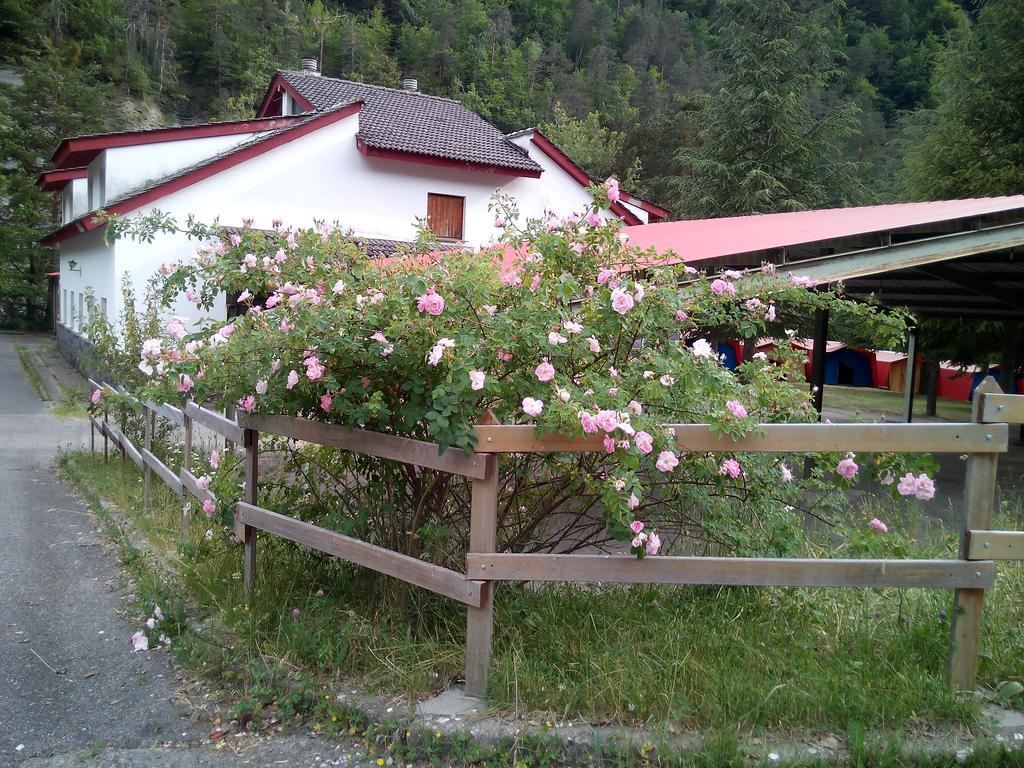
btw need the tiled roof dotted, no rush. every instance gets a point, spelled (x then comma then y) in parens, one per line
(414, 122)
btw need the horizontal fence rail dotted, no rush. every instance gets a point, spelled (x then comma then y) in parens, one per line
(409, 569)
(1003, 408)
(732, 571)
(223, 426)
(163, 471)
(376, 444)
(772, 438)
(995, 545)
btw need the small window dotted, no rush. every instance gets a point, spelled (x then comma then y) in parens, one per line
(444, 216)
(81, 311)
(63, 310)
(103, 308)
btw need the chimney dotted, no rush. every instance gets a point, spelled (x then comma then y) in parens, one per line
(410, 84)
(309, 66)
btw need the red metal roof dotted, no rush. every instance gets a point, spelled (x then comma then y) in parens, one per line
(699, 239)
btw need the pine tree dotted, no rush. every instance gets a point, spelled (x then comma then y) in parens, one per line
(764, 141)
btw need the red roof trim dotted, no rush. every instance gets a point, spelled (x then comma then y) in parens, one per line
(51, 181)
(89, 221)
(564, 162)
(279, 83)
(82, 149)
(657, 213)
(444, 162)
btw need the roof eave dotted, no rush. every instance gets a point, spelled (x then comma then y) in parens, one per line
(414, 157)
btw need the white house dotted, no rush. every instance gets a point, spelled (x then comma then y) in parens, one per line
(370, 158)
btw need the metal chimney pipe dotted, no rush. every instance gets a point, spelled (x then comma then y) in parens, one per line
(410, 84)
(309, 65)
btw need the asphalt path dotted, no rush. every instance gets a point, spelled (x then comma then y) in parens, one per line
(72, 692)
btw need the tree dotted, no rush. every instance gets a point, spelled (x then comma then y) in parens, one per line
(765, 142)
(596, 149)
(58, 98)
(972, 143)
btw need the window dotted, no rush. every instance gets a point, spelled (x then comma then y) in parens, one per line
(103, 308)
(81, 311)
(64, 308)
(444, 216)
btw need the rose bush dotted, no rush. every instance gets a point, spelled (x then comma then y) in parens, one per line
(563, 325)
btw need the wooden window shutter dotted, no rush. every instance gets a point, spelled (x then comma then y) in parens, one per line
(444, 215)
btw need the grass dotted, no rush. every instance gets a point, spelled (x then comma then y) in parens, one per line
(876, 404)
(689, 657)
(35, 378)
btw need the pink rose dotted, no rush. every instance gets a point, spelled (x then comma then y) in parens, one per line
(607, 420)
(532, 406)
(667, 461)
(96, 395)
(545, 371)
(203, 483)
(185, 383)
(907, 485)
(736, 409)
(644, 442)
(247, 403)
(878, 525)
(209, 507)
(588, 422)
(622, 302)
(609, 444)
(325, 402)
(604, 275)
(633, 501)
(611, 187)
(594, 344)
(653, 544)
(681, 316)
(476, 379)
(430, 302)
(925, 488)
(594, 219)
(730, 468)
(847, 467)
(293, 379)
(535, 284)
(214, 459)
(636, 526)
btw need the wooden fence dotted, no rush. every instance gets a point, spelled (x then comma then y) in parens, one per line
(983, 439)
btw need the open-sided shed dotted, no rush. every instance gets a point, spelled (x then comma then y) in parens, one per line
(942, 259)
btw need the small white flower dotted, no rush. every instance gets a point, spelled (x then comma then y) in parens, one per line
(555, 338)
(667, 381)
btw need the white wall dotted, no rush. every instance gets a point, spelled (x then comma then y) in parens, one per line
(127, 168)
(94, 269)
(323, 176)
(555, 190)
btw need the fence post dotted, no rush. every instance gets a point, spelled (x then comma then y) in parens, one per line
(979, 500)
(229, 413)
(186, 464)
(106, 455)
(148, 419)
(483, 534)
(250, 439)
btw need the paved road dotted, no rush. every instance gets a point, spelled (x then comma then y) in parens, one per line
(71, 690)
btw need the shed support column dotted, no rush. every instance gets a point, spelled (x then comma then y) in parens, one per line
(908, 392)
(934, 370)
(818, 358)
(483, 537)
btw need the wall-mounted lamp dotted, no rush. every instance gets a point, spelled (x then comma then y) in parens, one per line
(73, 267)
